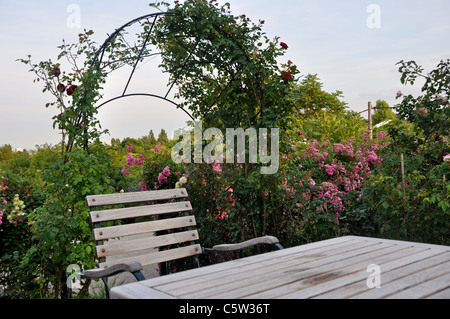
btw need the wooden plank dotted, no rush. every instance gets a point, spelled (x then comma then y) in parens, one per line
(401, 283)
(139, 211)
(426, 288)
(443, 294)
(406, 266)
(145, 227)
(159, 256)
(135, 197)
(125, 246)
(401, 242)
(136, 291)
(267, 277)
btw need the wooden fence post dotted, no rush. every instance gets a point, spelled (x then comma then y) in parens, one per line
(370, 120)
(403, 178)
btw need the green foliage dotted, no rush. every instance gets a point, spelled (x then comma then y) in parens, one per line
(430, 111)
(416, 208)
(61, 231)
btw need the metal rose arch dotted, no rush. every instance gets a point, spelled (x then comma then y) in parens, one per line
(140, 51)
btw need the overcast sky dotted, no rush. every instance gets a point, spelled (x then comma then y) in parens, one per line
(352, 45)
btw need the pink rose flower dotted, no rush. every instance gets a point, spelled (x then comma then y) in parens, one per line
(422, 111)
(130, 148)
(166, 171)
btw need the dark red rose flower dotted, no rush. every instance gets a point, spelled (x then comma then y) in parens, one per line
(71, 89)
(263, 21)
(284, 45)
(55, 71)
(286, 75)
(61, 87)
(436, 136)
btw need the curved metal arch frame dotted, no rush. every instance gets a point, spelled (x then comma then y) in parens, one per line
(96, 61)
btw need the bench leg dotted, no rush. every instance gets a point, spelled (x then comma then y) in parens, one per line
(105, 281)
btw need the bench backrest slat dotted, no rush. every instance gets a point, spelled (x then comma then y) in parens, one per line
(159, 256)
(135, 197)
(98, 216)
(144, 227)
(125, 246)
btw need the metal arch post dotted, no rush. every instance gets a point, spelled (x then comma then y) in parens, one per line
(139, 56)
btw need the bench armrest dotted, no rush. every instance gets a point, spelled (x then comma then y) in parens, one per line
(249, 243)
(131, 267)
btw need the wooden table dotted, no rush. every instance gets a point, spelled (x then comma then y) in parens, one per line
(345, 267)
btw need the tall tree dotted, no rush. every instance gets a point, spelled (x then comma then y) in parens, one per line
(311, 99)
(162, 137)
(6, 152)
(151, 136)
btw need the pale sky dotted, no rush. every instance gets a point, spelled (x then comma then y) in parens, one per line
(347, 43)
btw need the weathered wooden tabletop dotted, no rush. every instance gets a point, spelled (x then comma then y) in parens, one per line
(345, 267)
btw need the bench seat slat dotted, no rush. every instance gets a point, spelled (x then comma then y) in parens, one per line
(135, 197)
(145, 227)
(159, 256)
(139, 211)
(126, 246)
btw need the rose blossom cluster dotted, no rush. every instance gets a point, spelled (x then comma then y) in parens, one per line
(3, 187)
(345, 173)
(162, 177)
(131, 161)
(222, 211)
(56, 72)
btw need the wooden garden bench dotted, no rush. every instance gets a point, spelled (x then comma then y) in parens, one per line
(162, 230)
